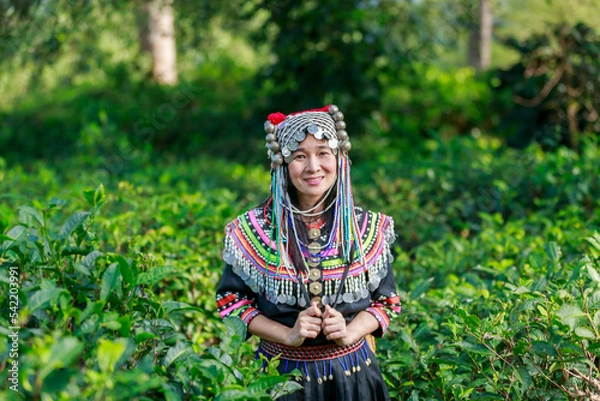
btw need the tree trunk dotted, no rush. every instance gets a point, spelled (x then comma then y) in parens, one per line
(480, 38)
(157, 36)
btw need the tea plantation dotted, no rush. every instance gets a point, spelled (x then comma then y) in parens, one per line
(108, 279)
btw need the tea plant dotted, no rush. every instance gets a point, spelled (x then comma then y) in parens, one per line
(91, 325)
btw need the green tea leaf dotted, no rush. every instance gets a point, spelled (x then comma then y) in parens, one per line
(174, 306)
(570, 315)
(543, 348)
(176, 352)
(421, 288)
(90, 259)
(155, 275)
(265, 383)
(109, 281)
(584, 332)
(109, 352)
(16, 232)
(62, 353)
(28, 211)
(553, 251)
(72, 223)
(593, 273)
(524, 377)
(95, 198)
(47, 292)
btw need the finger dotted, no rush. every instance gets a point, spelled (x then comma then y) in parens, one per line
(307, 333)
(314, 310)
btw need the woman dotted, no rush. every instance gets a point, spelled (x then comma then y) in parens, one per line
(307, 271)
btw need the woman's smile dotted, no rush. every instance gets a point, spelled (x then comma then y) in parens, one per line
(313, 170)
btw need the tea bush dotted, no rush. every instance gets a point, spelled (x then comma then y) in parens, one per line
(497, 265)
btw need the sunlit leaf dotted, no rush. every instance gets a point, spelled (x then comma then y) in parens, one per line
(570, 315)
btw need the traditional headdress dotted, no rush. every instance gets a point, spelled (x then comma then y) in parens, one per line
(284, 134)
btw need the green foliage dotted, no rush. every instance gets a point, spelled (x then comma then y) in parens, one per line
(508, 317)
(98, 321)
(497, 263)
(553, 89)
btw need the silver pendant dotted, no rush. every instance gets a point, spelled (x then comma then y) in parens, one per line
(347, 298)
(302, 302)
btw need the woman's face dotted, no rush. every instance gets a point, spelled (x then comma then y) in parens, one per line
(313, 170)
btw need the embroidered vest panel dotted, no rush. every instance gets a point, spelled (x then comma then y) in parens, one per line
(251, 252)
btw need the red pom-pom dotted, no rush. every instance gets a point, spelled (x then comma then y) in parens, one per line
(276, 118)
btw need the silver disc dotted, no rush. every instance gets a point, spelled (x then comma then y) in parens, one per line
(292, 145)
(347, 298)
(291, 300)
(372, 286)
(302, 302)
(319, 135)
(300, 136)
(313, 129)
(282, 298)
(286, 151)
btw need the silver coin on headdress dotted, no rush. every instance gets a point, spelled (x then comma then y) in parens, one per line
(313, 129)
(292, 145)
(333, 143)
(300, 136)
(319, 134)
(289, 159)
(286, 151)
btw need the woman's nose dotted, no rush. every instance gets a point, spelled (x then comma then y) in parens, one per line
(313, 164)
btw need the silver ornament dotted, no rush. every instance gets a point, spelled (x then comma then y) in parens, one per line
(338, 116)
(270, 138)
(277, 159)
(333, 109)
(274, 146)
(269, 127)
(299, 136)
(346, 146)
(340, 125)
(342, 135)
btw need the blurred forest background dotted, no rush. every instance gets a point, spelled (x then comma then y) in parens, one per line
(474, 124)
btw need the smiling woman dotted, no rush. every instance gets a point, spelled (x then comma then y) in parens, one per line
(307, 271)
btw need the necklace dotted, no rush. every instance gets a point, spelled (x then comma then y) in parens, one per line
(314, 230)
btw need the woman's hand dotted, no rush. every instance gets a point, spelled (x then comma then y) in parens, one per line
(334, 327)
(308, 325)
